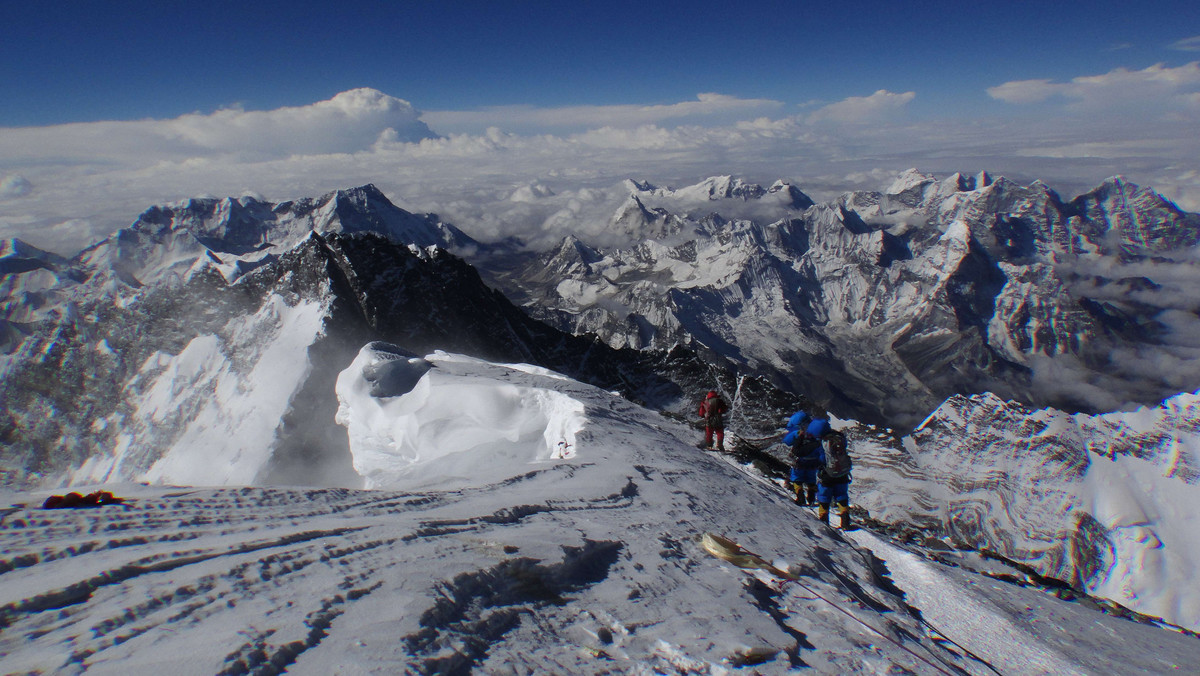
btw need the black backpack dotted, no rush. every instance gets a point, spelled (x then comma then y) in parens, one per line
(804, 452)
(837, 459)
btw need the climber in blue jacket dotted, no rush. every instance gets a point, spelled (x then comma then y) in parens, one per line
(804, 443)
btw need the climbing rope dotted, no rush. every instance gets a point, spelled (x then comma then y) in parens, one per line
(730, 551)
(920, 619)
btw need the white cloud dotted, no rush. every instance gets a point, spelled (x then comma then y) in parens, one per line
(97, 177)
(14, 185)
(520, 118)
(1100, 149)
(859, 109)
(1025, 91)
(1191, 44)
(1154, 90)
(348, 122)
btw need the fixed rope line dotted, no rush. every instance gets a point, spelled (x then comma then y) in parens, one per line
(920, 619)
(734, 553)
(852, 616)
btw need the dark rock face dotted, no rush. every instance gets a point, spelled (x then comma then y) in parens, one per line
(96, 375)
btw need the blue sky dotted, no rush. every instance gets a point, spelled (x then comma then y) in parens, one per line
(464, 108)
(87, 61)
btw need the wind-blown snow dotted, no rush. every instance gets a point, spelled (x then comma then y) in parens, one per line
(209, 415)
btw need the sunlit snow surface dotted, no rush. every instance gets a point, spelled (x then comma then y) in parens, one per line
(1108, 503)
(451, 421)
(504, 556)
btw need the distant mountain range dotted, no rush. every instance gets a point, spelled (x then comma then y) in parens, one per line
(879, 305)
(224, 324)
(883, 304)
(937, 319)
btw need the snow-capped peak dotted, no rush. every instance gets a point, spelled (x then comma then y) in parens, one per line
(793, 195)
(638, 186)
(720, 187)
(12, 250)
(166, 240)
(907, 180)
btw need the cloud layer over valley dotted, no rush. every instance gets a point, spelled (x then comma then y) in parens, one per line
(535, 172)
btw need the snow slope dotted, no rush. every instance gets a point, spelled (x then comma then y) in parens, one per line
(490, 547)
(1106, 503)
(209, 415)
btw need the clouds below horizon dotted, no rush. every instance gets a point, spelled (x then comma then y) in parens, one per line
(708, 107)
(1156, 90)
(348, 122)
(65, 186)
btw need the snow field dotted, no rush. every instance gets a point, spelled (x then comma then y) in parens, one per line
(518, 561)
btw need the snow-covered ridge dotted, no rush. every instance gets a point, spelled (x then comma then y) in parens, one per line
(451, 421)
(584, 563)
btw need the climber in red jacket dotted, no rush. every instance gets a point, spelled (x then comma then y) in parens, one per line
(712, 410)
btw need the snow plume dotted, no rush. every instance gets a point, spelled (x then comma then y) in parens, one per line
(210, 414)
(448, 420)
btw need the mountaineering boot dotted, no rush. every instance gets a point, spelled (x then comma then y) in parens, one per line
(844, 513)
(797, 492)
(810, 494)
(823, 513)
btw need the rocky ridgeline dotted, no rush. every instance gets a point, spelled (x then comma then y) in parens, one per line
(883, 304)
(879, 304)
(159, 337)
